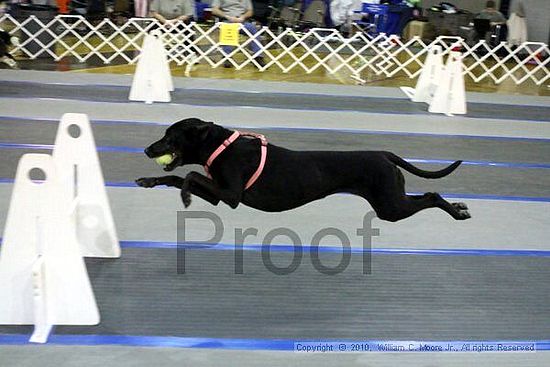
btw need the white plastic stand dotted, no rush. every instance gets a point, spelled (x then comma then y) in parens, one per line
(43, 278)
(429, 77)
(80, 172)
(450, 95)
(152, 80)
(441, 86)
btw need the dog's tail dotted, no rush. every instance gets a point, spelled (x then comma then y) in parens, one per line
(398, 161)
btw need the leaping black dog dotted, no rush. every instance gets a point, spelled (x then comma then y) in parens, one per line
(287, 179)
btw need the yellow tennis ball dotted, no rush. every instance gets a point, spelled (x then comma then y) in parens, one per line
(164, 160)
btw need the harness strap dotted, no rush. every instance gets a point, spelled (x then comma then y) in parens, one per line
(228, 142)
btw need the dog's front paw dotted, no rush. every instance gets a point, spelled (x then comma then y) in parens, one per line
(186, 198)
(147, 181)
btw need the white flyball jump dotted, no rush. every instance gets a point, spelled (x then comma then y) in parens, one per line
(76, 158)
(441, 86)
(43, 278)
(152, 80)
(51, 225)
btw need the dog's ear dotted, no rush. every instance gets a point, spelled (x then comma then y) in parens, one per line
(203, 130)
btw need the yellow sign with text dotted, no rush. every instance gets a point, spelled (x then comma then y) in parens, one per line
(229, 34)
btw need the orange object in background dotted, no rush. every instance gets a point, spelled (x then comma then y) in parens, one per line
(63, 6)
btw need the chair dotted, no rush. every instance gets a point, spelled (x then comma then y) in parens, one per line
(485, 31)
(482, 26)
(374, 18)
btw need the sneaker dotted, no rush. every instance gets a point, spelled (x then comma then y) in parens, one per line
(9, 61)
(260, 61)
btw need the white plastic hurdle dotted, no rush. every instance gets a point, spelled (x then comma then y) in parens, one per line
(43, 278)
(429, 77)
(76, 158)
(450, 95)
(440, 86)
(152, 80)
(49, 228)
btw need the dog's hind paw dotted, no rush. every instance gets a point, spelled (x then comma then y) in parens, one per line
(147, 181)
(460, 206)
(463, 215)
(186, 198)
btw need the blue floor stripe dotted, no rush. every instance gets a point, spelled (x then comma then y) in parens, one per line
(113, 149)
(123, 149)
(335, 249)
(300, 129)
(288, 345)
(538, 199)
(330, 249)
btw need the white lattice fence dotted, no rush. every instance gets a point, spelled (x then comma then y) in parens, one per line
(288, 51)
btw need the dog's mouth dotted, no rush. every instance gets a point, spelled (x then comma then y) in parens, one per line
(176, 161)
(168, 161)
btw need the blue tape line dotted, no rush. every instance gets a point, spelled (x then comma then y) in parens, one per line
(115, 149)
(539, 199)
(334, 249)
(244, 344)
(123, 149)
(94, 121)
(301, 129)
(330, 249)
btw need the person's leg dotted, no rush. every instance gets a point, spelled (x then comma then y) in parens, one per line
(226, 50)
(254, 45)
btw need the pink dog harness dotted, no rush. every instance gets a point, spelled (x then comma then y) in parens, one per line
(230, 140)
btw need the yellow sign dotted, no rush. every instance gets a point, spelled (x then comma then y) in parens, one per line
(229, 34)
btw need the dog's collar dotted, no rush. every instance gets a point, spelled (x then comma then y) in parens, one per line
(228, 142)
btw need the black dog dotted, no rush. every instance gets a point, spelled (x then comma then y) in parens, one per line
(290, 178)
(5, 41)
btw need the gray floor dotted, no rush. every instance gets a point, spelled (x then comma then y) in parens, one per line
(253, 86)
(77, 356)
(469, 179)
(247, 117)
(27, 131)
(213, 98)
(406, 297)
(497, 225)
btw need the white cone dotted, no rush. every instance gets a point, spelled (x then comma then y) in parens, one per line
(152, 80)
(450, 95)
(43, 278)
(80, 172)
(162, 63)
(429, 77)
